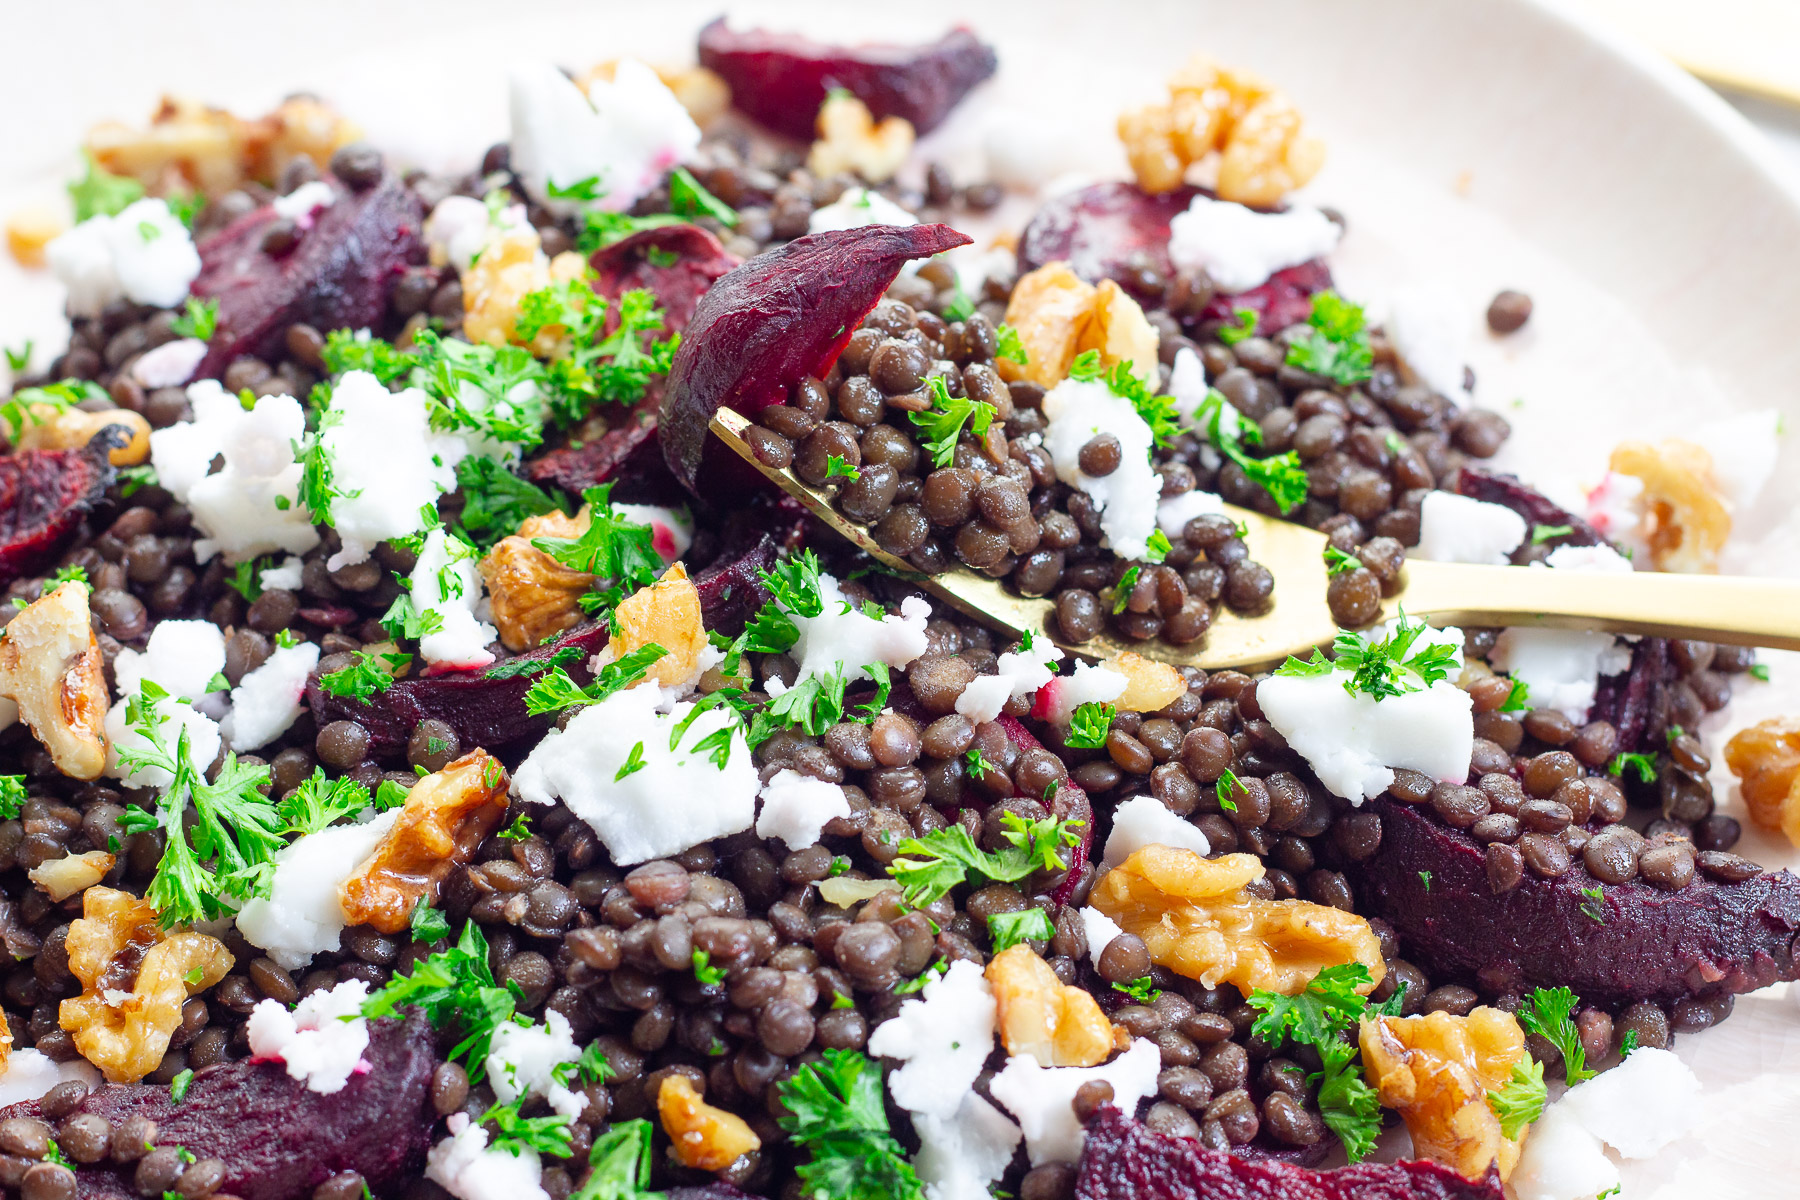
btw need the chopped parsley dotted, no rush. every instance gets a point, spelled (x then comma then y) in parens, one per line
(199, 320)
(599, 367)
(1122, 590)
(1246, 320)
(600, 229)
(620, 1159)
(1006, 930)
(1380, 669)
(12, 796)
(1158, 412)
(634, 762)
(704, 971)
(1158, 546)
(1545, 533)
(18, 360)
(837, 1112)
(318, 803)
(1759, 672)
(246, 580)
(1141, 990)
(100, 193)
(1280, 475)
(370, 673)
(69, 574)
(345, 350)
(1339, 563)
(1010, 346)
(496, 501)
(961, 306)
(837, 468)
(930, 866)
(178, 1086)
(610, 548)
(687, 198)
(977, 766)
(1594, 907)
(518, 831)
(942, 424)
(555, 691)
(907, 987)
(1628, 1043)
(318, 487)
(516, 1134)
(1334, 342)
(1089, 725)
(1549, 1013)
(1518, 698)
(1643, 764)
(1425, 879)
(456, 987)
(53, 1153)
(1225, 785)
(1520, 1101)
(526, 665)
(428, 924)
(132, 479)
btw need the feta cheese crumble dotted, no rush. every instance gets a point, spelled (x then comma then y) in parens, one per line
(387, 463)
(1456, 529)
(1018, 673)
(1561, 668)
(463, 1165)
(301, 204)
(1174, 513)
(1143, 821)
(671, 530)
(183, 658)
(1058, 699)
(1638, 1108)
(302, 916)
(31, 1073)
(144, 253)
(625, 132)
(1042, 1098)
(843, 638)
(1240, 247)
(286, 575)
(321, 1041)
(523, 1059)
(1429, 328)
(942, 1041)
(445, 583)
(858, 206)
(795, 808)
(676, 799)
(1101, 930)
(1077, 411)
(1353, 741)
(961, 1156)
(268, 700)
(461, 227)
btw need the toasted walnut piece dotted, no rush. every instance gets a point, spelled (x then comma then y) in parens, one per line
(1059, 1025)
(189, 146)
(300, 125)
(1766, 757)
(1686, 519)
(1150, 686)
(72, 429)
(1119, 330)
(30, 229)
(702, 1138)
(63, 877)
(126, 1033)
(1267, 155)
(1438, 1069)
(1196, 919)
(6, 1042)
(531, 595)
(667, 613)
(511, 267)
(1151, 147)
(1051, 309)
(704, 93)
(851, 141)
(50, 667)
(446, 816)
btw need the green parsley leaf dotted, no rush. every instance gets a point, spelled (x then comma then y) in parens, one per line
(1643, 764)
(591, 1067)
(428, 924)
(942, 424)
(555, 691)
(1628, 1043)
(1335, 343)
(1384, 668)
(814, 704)
(704, 971)
(1159, 546)
(1141, 990)
(907, 987)
(836, 1112)
(199, 320)
(961, 305)
(839, 863)
(526, 665)
(12, 796)
(178, 1086)
(18, 360)
(1519, 698)
(1225, 785)
(1157, 411)
(1122, 590)
(496, 501)
(1006, 930)
(319, 803)
(318, 485)
(132, 479)
(582, 189)
(976, 765)
(347, 350)
(930, 866)
(634, 762)
(1010, 347)
(1549, 1013)
(1306, 668)
(688, 199)
(1425, 879)
(101, 193)
(246, 580)
(370, 673)
(68, 574)
(1339, 563)
(185, 206)
(453, 987)
(1089, 725)
(1280, 475)
(287, 639)
(600, 229)
(516, 1134)
(611, 548)
(404, 620)
(621, 1164)
(1594, 907)
(1320, 1016)
(518, 831)
(1546, 533)
(1759, 672)
(1246, 319)
(837, 468)
(53, 1153)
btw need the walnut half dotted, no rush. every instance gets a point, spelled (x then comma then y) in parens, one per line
(531, 595)
(447, 815)
(126, 1032)
(701, 1137)
(1058, 1024)
(1766, 758)
(1438, 1069)
(1197, 920)
(50, 667)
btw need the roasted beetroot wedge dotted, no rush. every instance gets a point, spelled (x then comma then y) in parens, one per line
(1531, 504)
(338, 276)
(1635, 942)
(43, 496)
(675, 263)
(628, 457)
(278, 1140)
(1125, 1160)
(781, 78)
(1639, 701)
(780, 317)
(485, 711)
(1116, 231)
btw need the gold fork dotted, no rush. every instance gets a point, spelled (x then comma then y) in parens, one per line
(1712, 608)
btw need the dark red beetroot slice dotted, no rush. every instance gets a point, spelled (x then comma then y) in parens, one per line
(337, 277)
(1707, 939)
(1115, 230)
(781, 316)
(1126, 1160)
(43, 496)
(278, 1140)
(1638, 701)
(485, 712)
(628, 457)
(781, 78)
(1531, 504)
(642, 261)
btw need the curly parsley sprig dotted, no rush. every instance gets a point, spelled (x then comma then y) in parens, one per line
(930, 866)
(837, 1113)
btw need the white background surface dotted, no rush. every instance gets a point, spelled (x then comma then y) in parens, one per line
(1474, 146)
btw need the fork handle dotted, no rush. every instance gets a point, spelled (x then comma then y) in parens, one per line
(1741, 610)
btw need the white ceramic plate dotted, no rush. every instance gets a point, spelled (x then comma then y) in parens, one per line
(1474, 146)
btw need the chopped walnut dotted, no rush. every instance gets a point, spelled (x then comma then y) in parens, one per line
(1766, 758)
(123, 1019)
(71, 429)
(704, 93)
(1150, 686)
(1196, 919)
(446, 816)
(1438, 1069)
(30, 229)
(531, 595)
(190, 146)
(1263, 150)
(702, 1137)
(667, 613)
(1118, 329)
(1686, 518)
(72, 873)
(50, 667)
(1050, 309)
(850, 140)
(6, 1042)
(508, 269)
(1057, 1024)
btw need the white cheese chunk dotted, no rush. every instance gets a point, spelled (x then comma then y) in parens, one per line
(301, 206)
(465, 1166)
(677, 799)
(1429, 328)
(144, 253)
(251, 506)
(523, 1059)
(1018, 673)
(1640, 1106)
(1615, 512)
(1743, 447)
(445, 582)
(960, 1157)
(1240, 247)
(1101, 930)
(169, 365)
(858, 206)
(625, 132)
(180, 656)
(1042, 1098)
(81, 260)
(302, 915)
(942, 1040)
(1457, 529)
(268, 700)
(321, 1041)
(1078, 411)
(172, 717)
(1561, 1161)
(387, 463)
(1174, 513)
(1561, 668)
(1143, 821)
(31, 1073)
(1058, 699)
(286, 575)
(795, 808)
(847, 639)
(461, 227)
